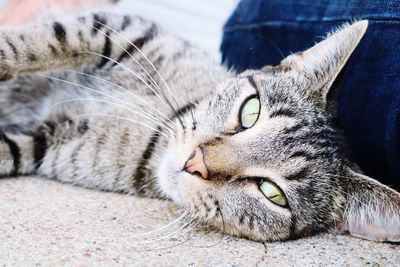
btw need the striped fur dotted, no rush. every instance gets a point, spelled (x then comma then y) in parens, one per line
(88, 108)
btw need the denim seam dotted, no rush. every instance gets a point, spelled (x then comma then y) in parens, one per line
(288, 22)
(393, 110)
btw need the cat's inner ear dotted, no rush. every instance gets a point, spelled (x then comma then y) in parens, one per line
(372, 209)
(318, 67)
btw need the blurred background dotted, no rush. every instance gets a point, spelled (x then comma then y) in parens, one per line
(198, 21)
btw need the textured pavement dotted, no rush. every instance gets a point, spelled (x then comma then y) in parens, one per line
(47, 223)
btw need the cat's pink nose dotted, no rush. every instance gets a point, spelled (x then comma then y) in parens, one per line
(196, 165)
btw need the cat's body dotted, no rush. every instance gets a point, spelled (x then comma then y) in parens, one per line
(39, 100)
(114, 124)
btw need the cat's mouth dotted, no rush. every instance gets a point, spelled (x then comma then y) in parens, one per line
(168, 176)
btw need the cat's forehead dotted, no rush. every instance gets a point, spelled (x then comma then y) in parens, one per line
(235, 87)
(270, 86)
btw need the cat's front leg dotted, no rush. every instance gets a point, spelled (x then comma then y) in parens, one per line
(93, 39)
(16, 156)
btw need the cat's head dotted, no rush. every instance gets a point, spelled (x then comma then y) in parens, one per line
(263, 160)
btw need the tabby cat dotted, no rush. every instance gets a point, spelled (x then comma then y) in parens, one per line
(115, 103)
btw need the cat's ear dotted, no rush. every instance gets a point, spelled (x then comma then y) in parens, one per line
(372, 209)
(319, 66)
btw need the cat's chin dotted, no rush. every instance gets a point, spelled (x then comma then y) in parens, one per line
(168, 176)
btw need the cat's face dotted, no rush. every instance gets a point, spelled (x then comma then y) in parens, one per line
(247, 167)
(261, 159)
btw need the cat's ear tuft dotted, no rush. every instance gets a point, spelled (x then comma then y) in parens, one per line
(372, 210)
(319, 66)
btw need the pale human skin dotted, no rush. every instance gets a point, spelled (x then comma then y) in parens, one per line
(18, 12)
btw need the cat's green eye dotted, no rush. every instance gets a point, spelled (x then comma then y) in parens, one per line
(249, 112)
(273, 193)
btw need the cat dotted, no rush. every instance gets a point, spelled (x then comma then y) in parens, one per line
(115, 103)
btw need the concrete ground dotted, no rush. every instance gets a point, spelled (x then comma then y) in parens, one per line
(48, 223)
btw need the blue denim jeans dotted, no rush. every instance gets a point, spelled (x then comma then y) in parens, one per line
(263, 32)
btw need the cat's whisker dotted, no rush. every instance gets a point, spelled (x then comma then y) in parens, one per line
(168, 247)
(148, 77)
(193, 111)
(144, 115)
(194, 226)
(177, 220)
(190, 102)
(184, 223)
(176, 235)
(163, 100)
(86, 87)
(124, 89)
(274, 45)
(222, 233)
(121, 118)
(147, 59)
(156, 157)
(166, 99)
(173, 234)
